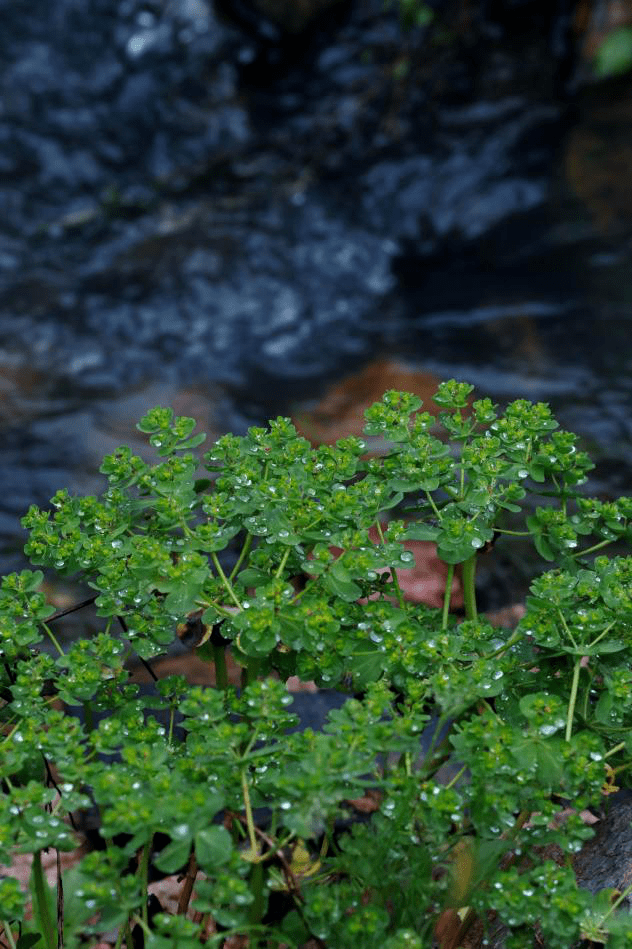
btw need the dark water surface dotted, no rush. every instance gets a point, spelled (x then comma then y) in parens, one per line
(205, 213)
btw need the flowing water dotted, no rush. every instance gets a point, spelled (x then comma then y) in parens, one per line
(201, 212)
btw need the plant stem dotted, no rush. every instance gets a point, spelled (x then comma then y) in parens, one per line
(617, 902)
(225, 580)
(469, 587)
(447, 596)
(187, 889)
(283, 562)
(503, 530)
(614, 750)
(515, 636)
(245, 550)
(219, 661)
(250, 824)
(120, 935)
(52, 638)
(257, 907)
(143, 872)
(572, 700)
(601, 635)
(41, 898)
(433, 505)
(456, 777)
(394, 577)
(9, 935)
(249, 671)
(591, 550)
(89, 718)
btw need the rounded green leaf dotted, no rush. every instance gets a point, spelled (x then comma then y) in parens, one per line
(213, 847)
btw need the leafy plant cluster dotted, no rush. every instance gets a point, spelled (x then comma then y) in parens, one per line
(469, 740)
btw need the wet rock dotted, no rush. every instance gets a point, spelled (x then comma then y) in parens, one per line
(598, 159)
(340, 411)
(294, 16)
(605, 861)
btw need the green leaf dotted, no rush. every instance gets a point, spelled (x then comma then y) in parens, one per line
(251, 577)
(614, 56)
(347, 590)
(550, 765)
(366, 667)
(213, 847)
(420, 531)
(27, 940)
(175, 855)
(543, 547)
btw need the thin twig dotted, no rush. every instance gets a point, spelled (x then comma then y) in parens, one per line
(72, 609)
(187, 889)
(149, 669)
(60, 905)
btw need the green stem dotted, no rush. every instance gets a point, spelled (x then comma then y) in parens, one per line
(566, 629)
(591, 550)
(432, 504)
(394, 577)
(221, 672)
(52, 638)
(282, 562)
(250, 824)
(602, 634)
(120, 935)
(515, 636)
(572, 700)
(143, 873)
(257, 907)
(469, 587)
(225, 580)
(617, 902)
(456, 777)
(144, 925)
(614, 750)
(128, 933)
(249, 671)
(9, 935)
(245, 550)
(503, 530)
(447, 596)
(89, 717)
(41, 898)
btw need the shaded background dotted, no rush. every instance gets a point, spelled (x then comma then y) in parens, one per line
(265, 207)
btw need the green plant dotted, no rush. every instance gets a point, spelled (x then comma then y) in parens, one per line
(470, 738)
(614, 55)
(412, 12)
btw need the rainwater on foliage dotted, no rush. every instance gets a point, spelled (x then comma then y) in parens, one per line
(208, 213)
